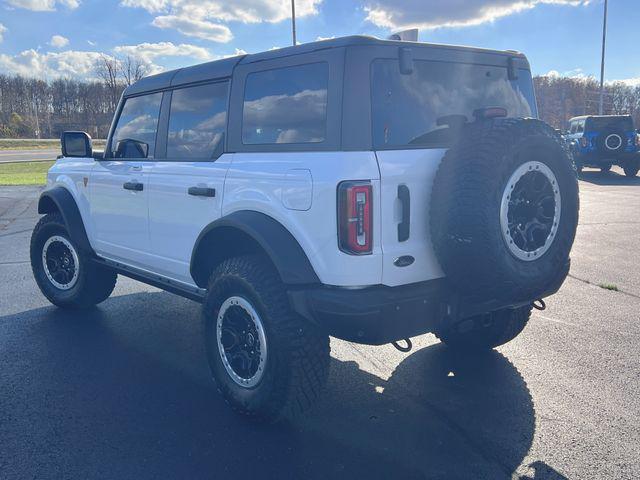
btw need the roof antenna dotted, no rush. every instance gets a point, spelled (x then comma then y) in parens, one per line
(293, 21)
(405, 35)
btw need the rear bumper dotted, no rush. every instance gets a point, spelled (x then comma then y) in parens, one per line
(597, 158)
(379, 314)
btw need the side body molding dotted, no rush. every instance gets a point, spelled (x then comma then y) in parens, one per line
(231, 232)
(60, 199)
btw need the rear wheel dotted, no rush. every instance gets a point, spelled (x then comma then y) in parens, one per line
(266, 361)
(66, 275)
(484, 332)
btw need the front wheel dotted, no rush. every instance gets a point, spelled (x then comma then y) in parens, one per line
(65, 274)
(266, 361)
(484, 332)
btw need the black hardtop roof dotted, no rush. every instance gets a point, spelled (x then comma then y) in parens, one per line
(224, 67)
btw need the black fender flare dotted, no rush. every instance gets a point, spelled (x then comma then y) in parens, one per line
(60, 199)
(278, 243)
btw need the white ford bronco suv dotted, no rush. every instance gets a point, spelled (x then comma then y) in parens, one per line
(371, 190)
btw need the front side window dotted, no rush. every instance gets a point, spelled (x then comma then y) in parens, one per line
(425, 108)
(197, 121)
(135, 134)
(286, 105)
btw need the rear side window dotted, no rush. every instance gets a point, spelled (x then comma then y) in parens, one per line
(286, 105)
(135, 133)
(197, 121)
(415, 110)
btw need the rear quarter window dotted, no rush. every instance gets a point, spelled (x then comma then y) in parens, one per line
(286, 105)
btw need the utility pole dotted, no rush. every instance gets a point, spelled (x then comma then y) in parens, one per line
(293, 20)
(604, 42)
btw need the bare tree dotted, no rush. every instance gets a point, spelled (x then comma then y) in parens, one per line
(107, 69)
(133, 69)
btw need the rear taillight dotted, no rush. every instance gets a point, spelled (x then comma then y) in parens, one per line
(355, 214)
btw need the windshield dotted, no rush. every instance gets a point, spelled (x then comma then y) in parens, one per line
(606, 123)
(406, 108)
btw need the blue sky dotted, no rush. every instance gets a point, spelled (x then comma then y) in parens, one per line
(50, 38)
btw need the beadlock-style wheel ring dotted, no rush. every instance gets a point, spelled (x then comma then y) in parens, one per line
(530, 211)
(60, 262)
(242, 342)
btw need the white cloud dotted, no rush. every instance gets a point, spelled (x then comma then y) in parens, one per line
(247, 11)
(194, 27)
(58, 41)
(430, 14)
(147, 52)
(630, 82)
(43, 5)
(3, 30)
(82, 64)
(206, 20)
(32, 63)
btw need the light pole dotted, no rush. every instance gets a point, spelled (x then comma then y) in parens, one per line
(604, 41)
(293, 20)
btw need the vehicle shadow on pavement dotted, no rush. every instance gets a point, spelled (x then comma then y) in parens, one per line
(123, 391)
(609, 178)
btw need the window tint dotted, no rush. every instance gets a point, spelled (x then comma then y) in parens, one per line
(135, 134)
(197, 121)
(413, 109)
(594, 124)
(287, 105)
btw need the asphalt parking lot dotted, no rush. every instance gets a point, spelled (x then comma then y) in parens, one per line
(122, 391)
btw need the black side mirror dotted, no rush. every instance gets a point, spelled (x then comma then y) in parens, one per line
(76, 144)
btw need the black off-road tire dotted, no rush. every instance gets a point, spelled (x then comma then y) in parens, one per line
(94, 284)
(487, 331)
(297, 364)
(465, 209)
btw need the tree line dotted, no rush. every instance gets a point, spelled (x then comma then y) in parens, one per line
(34, 108)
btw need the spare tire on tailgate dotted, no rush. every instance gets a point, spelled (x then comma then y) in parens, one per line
(504, 209)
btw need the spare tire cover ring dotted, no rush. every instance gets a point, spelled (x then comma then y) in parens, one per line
(516, 198)
(616, 138)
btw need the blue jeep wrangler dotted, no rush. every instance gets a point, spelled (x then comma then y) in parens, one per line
(603, 141)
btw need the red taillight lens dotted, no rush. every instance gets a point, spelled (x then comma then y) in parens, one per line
(355, 213)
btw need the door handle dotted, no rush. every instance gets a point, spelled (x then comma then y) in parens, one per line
(135, 186)
(202, 191)
(404, 227)
(136, 168)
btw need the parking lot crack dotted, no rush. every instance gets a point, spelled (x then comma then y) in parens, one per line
(595, 284)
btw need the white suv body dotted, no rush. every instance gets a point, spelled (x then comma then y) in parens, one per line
(320, 158)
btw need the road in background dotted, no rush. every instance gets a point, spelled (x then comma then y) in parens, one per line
(37, 154)
(123, 390)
